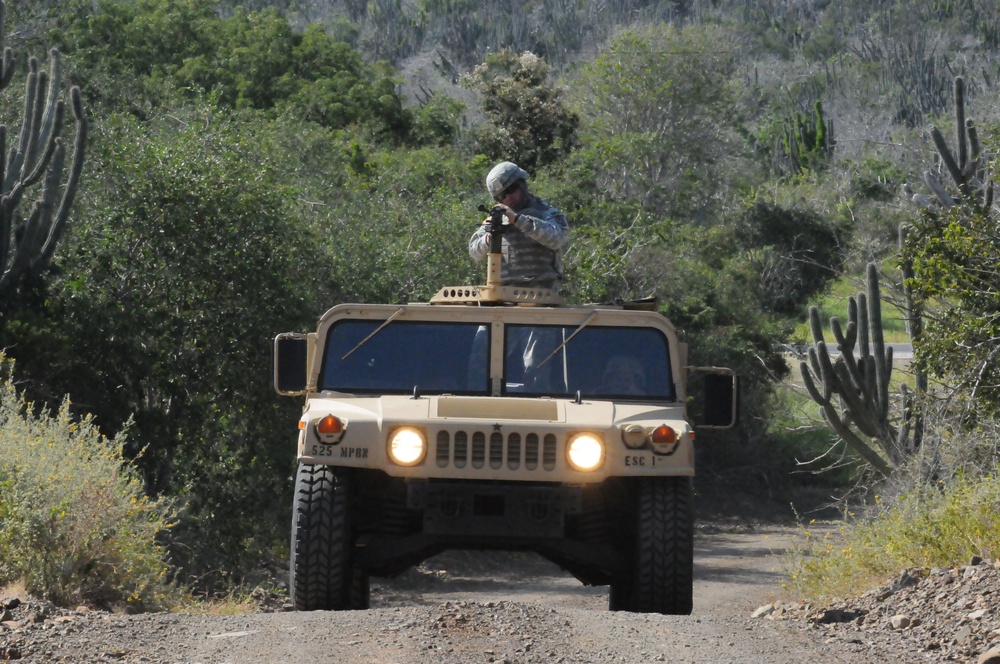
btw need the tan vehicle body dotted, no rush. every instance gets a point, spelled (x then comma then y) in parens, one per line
(494, 418)
(368, 421)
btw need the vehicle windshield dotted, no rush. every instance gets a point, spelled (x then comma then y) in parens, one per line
(600, 362)
(433, 357)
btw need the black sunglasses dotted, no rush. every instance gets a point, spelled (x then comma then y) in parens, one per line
(508, 191)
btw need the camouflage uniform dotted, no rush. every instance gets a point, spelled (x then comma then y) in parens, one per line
(532, 251)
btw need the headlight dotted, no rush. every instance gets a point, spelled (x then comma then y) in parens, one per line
(585, 452)
(407, 446)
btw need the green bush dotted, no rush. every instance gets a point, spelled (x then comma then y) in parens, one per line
(795, 251)
(75, 525)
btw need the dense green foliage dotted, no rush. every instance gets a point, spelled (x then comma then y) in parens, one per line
(182, 268)
(955, 273)
(248, 60)
(254, 163)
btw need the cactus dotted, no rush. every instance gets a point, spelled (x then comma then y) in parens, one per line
(854, 391)
(974, 187)
(809, 141)
(914, 312)
(37, 156)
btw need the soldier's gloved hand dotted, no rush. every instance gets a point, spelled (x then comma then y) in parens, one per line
(510, 214)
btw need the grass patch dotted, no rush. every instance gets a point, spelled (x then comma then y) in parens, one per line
(75, 524)
(834, 303)
(932, 526)
(235, 603)
(814, 453)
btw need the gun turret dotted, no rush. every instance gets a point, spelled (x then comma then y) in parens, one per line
(494, 292)
(495, 256)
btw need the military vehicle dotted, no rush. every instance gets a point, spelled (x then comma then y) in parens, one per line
(496, 417)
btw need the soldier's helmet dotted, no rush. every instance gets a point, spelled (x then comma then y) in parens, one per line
(502, 176)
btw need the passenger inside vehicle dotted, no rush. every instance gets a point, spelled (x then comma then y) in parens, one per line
(624, 374)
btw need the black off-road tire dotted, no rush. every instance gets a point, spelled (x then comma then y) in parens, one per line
(322, 574)
(661, 577)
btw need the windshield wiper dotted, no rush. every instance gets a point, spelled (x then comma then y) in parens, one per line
(584, 324)
(374, 332)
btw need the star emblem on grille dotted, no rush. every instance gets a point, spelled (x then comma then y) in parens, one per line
(496, 427)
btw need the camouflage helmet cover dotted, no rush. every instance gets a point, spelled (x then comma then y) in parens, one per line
(503, 175)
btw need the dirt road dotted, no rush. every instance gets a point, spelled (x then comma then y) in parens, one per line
(474, 607)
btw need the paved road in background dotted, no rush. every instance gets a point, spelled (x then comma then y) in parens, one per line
(899, 351)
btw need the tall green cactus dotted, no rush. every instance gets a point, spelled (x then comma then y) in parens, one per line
(966, 168)
(809, 142)
(853, 392)
(37, 156)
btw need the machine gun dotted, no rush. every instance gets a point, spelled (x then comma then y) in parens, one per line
(495, 256)
(497, 227)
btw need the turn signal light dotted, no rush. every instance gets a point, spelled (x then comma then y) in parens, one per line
(663, 435)
(330, 425)
(329, 429)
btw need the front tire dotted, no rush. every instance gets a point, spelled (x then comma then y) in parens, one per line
(664, 574)
(322, 574)
(661, 579)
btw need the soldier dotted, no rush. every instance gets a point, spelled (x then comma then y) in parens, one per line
(532, 249)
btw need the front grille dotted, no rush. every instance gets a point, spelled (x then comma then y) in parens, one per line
(496, 450)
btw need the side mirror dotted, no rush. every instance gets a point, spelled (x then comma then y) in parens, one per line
(715, 397)
(291, 356)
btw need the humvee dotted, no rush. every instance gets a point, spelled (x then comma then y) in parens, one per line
(496, 417)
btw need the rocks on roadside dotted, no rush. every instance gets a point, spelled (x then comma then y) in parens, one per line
(991, 656)
(24, 619)
(900, 621)
(942, 613)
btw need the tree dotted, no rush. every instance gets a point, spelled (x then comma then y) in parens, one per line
(37, 157)
(529, 123)
(950, 253)
(957, 283)
(658, 105)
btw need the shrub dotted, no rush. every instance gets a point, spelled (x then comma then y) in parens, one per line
(75, 525)
(930, 526)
